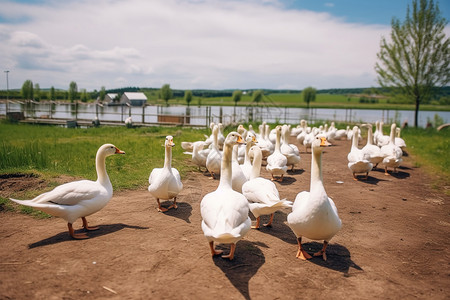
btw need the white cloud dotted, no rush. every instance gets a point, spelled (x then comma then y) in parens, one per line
(189, 44)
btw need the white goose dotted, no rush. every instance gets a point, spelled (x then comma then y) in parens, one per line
(263, 143)
(78, 199)
(165, 183)
(314, 215)
(392, 153)
(302, 133)
(382, 139)
(398, 140)
(225, 211)
(292, 154)
(246, 167)
(309, 138)
(358, 160)
(214, 158)
(276, 162)
(198, 155)
(262, 193)
(372, 150)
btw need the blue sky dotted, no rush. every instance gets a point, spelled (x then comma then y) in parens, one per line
(211, 44)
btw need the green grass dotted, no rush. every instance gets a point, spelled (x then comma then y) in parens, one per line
(430, 150)
(51, 151)
(296, 100)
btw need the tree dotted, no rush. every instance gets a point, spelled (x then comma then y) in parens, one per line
(417, 60)
(52, 94)
(73, 91)
(236, 97)
(84, 95)
(257, 96)
(37, 92)
(102, 94)
(166, 93)
(27, 90)
(188, 97)
(309, 94)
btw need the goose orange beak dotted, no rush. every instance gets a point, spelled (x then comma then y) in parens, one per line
(324, 142)
(118, 151)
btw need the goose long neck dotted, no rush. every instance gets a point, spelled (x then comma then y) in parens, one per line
(277, 141)
(225, 171)
(370, 136)
(392, 136)
(256, 167)
(316, 171)
(168, 157)
(100, 166)
(355, 138)
(247, 148)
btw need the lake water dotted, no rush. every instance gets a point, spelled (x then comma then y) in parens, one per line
(201, 116)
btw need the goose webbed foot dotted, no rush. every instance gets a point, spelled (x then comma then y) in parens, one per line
(214, 252)
(77, 236)
(230, 256)
(87, 227)
(160, 208)
(301, 253)
(323, 251)
(174, 205)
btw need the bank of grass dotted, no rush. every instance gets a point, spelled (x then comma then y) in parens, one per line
(323, 100)
(51, 151)
(430, 150)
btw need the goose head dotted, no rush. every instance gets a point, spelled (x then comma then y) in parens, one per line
(319, 142)
(234, 138)
(169, 141)
(108, 150)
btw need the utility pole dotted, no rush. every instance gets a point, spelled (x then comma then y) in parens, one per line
(7, 91)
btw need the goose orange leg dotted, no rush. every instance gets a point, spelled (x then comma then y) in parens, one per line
(85, 225)
(323, 251)
(301, 253)
(213, 250)
(231, 255)
(256, 226)
(269, 224)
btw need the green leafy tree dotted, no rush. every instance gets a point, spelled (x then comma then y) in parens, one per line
(257, 96)
(52, 94)
(73, 91)
(37, 92)
(27, 90)
(236, 97)
(102, 94)
(309, 95)
(188, 97)
(416, 60)
(83, 95)
(166, 93)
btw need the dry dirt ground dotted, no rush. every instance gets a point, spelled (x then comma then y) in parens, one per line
(393, 245)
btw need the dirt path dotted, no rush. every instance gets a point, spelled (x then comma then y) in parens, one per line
(393, 245)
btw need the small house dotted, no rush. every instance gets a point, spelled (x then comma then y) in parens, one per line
(111, 99)
(133, 98)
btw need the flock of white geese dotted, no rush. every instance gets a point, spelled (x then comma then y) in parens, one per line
(238, 159)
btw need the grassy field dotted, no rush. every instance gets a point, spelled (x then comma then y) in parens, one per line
(50, 151)
(296, 100)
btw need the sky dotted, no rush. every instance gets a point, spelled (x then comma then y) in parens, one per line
(195, 44)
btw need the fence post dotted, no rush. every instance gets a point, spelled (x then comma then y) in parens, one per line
(143, 114)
